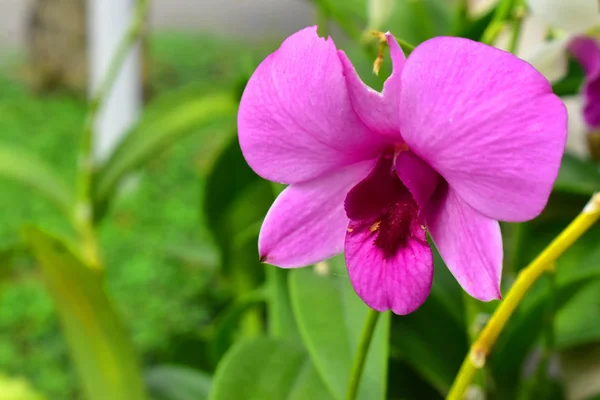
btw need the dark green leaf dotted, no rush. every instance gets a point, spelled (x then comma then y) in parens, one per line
(175, 382)
(267, 369)
(474, 29)
(330, 317)
(571, 83)
(281, 318)
(154, 133)
(577, 176)
(228, 321)
(578, 322)
(98, 340)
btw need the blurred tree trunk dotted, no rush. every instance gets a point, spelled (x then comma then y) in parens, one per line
(56, 40)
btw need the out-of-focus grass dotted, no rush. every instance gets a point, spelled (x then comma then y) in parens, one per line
(158, 256)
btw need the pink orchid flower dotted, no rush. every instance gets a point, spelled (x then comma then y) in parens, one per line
(461, 136)
(587, 51)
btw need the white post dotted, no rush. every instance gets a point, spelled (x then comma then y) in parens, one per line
(108, 21)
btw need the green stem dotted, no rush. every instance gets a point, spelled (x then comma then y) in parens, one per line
(503, 11)
(322, 17)
(406, 47)
(516, 31)
(479, 351)
(473, 325)
(461, 17)
(361, 354)
(83, 214)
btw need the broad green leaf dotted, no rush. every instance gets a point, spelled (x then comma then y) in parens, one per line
(330, 317)
(23, 168)
(153, 134)
(235, 203)
(578, 322)
(281, 318)
(228, 181)
(474, 28)
(433, 339)
(577, 176)
(429, 341)
(571, 83)
(228, 321)
(267, 369)
(98, 341)
(176, 382)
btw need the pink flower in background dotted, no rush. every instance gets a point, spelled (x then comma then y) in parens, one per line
(587, 51)
(462, 135)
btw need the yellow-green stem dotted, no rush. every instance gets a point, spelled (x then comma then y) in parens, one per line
(476, 358)
(83, 213)
(516, 30)
(361, 354)
(503, 11)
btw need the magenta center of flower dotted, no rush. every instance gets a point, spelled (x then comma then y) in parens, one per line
(382, 208)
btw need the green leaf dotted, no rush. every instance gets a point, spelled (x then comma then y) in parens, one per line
(98, 341)
(330, 317)
(281, 318)
(578, 323)
(433, 340)
(228, 321)
(175, 382)
(23, 168)
(571, 83)
(154, 133)
(234, 205)
(267, 369)
(474, 29)
(577, 176)
(227, 182)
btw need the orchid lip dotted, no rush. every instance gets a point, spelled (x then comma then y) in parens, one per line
(382, 205)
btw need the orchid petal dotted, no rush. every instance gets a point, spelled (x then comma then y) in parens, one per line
(296, 121)
(379, 111)
(417, 176)
(469, 243)
(587, 52)
(401, 282)
(307, 222)
(574, 16)
(487, 122)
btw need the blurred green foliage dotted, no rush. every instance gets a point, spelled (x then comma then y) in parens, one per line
(206, 319)
(160, 259)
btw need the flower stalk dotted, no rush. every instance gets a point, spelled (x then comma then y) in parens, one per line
(83, 212)
(480, 349)
(503, 11)
(361, 354)
(516, 29)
